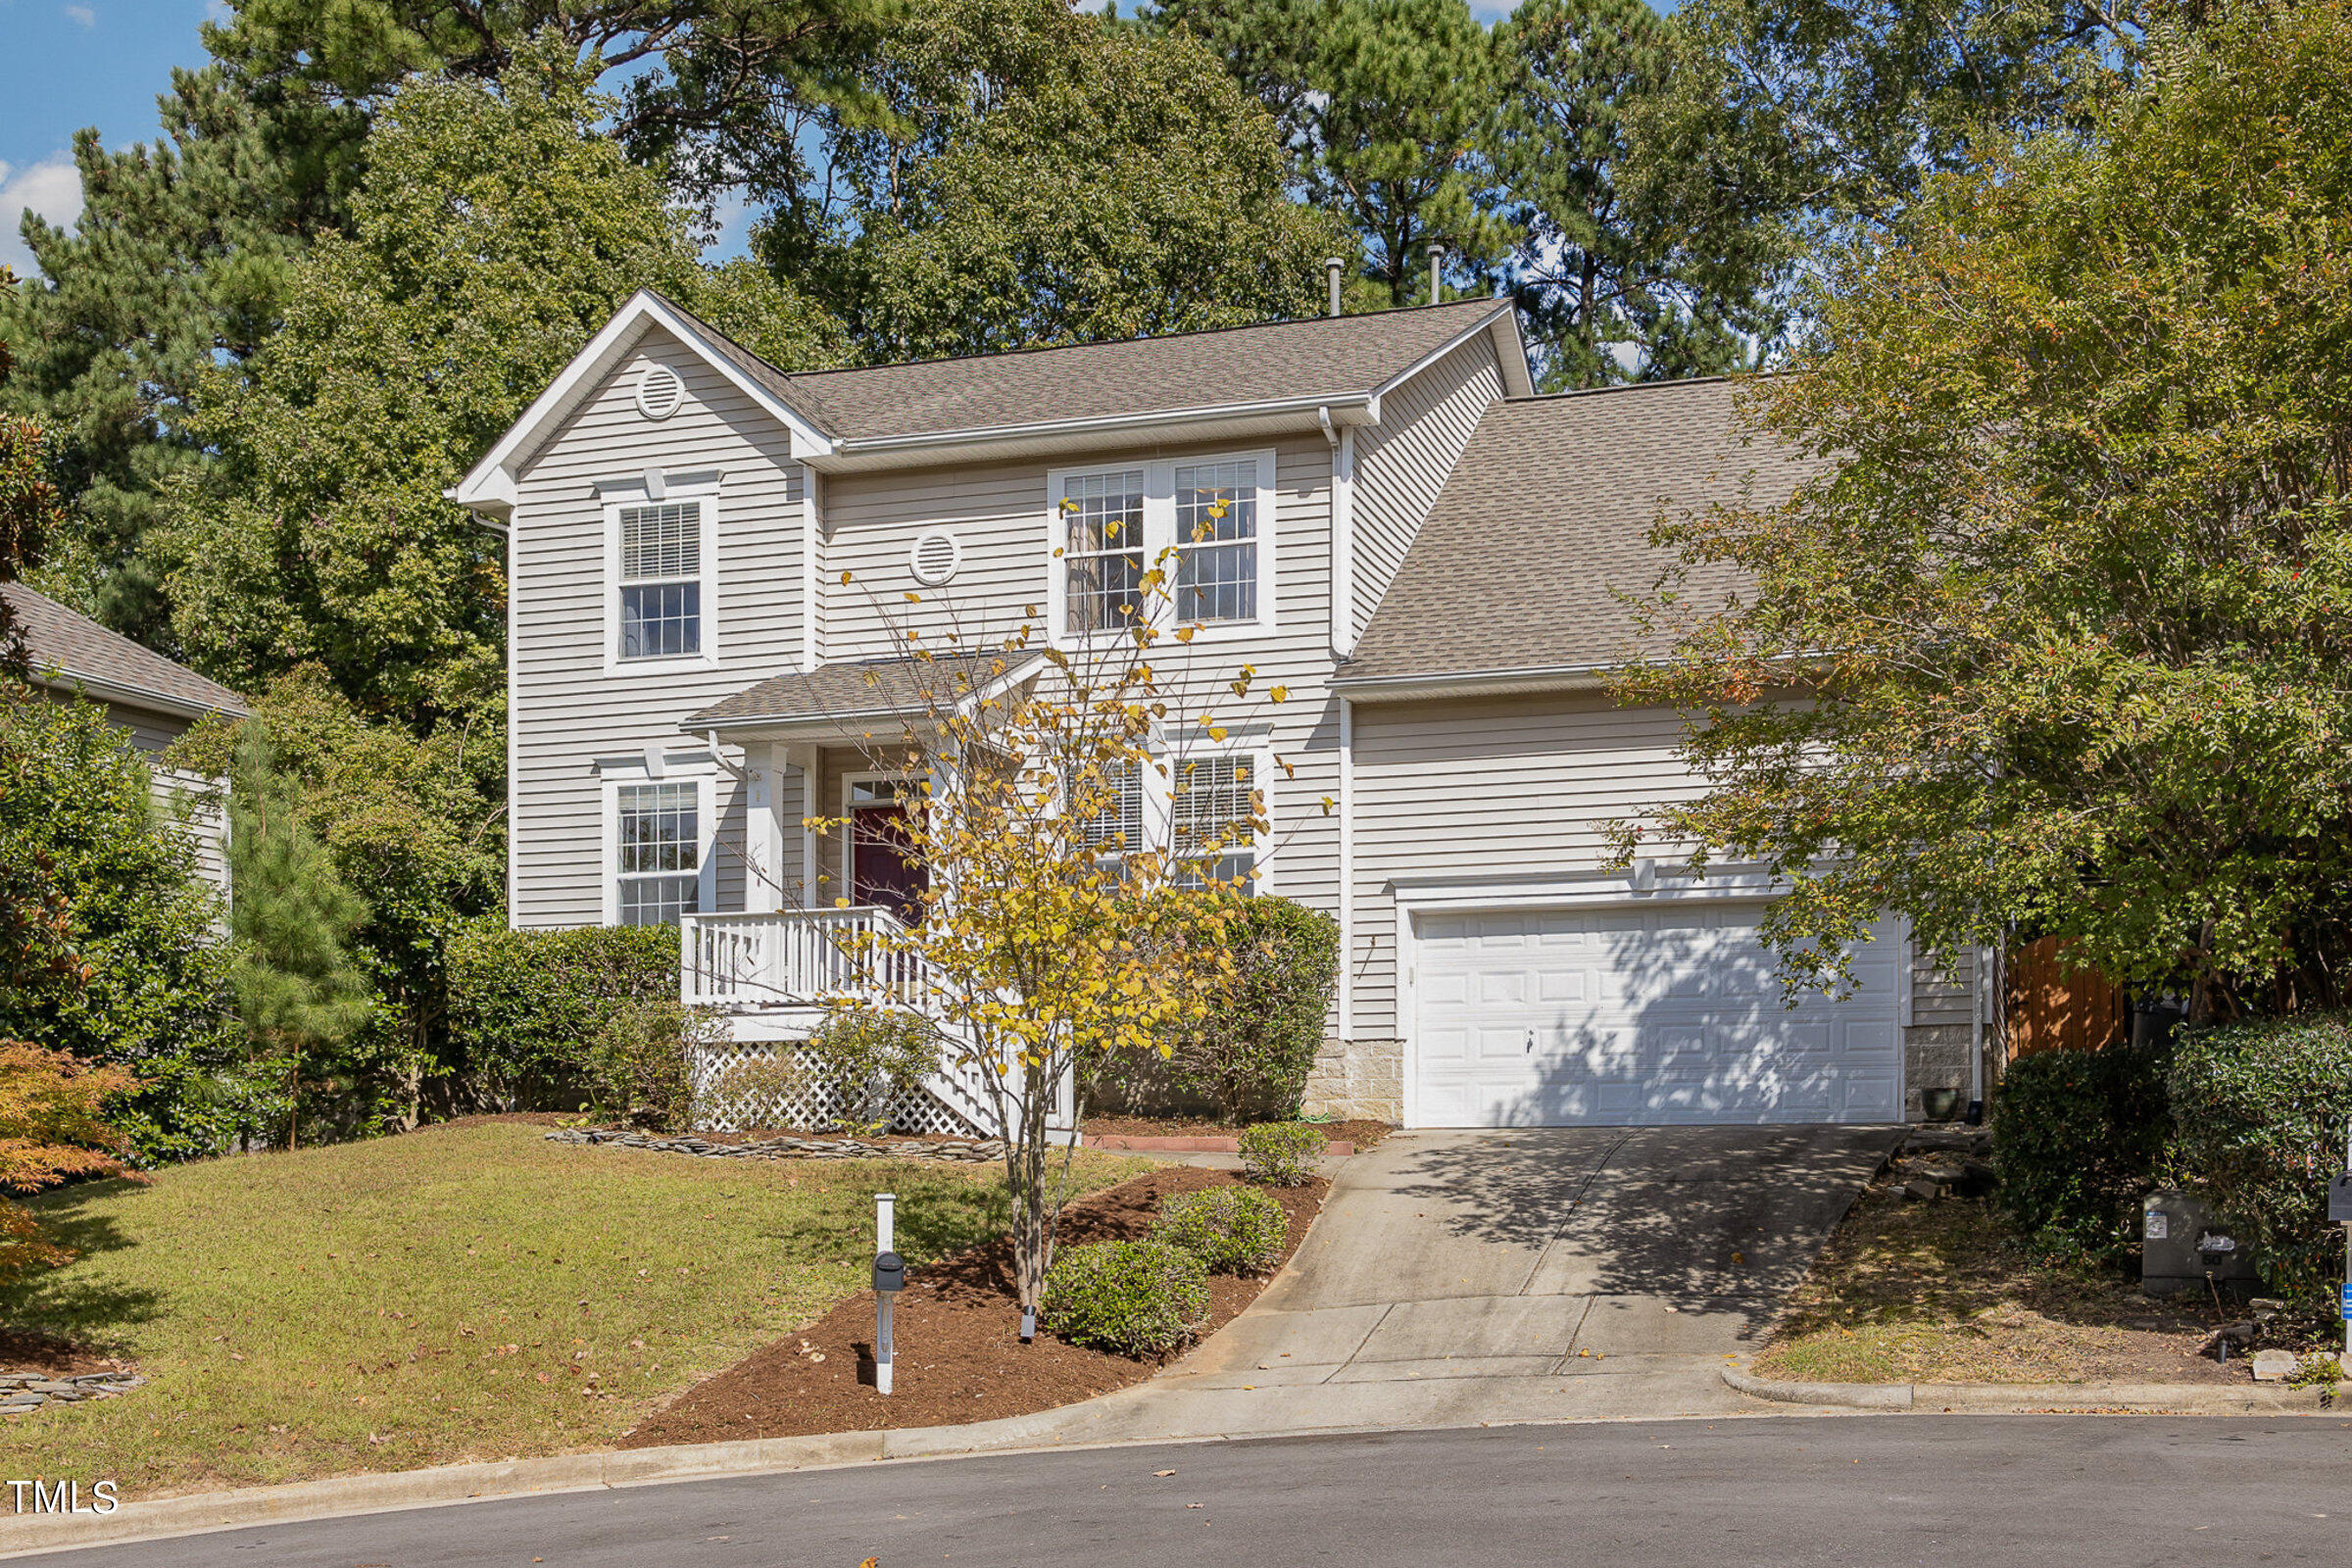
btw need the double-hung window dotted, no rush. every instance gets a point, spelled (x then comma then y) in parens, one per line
(660, 844)
(1115, 824)
(661, 583)
(1216, 541)
(1208, 522)
(1212, 815)
(1102, 549)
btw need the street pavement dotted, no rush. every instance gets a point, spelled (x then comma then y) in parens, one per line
(2003, 1492)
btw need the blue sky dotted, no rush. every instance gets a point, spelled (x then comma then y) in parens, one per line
(66, 64)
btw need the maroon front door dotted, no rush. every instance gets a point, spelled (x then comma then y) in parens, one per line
(883, 869)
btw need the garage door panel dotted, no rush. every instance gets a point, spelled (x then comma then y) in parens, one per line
(1668, 1014)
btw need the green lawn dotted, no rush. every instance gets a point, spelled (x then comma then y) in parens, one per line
(460, 1294)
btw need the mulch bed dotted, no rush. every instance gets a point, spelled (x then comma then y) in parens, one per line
(957, 1338)
(1363, 1135)
(21, 1352)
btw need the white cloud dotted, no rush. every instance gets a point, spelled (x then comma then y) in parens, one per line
(52, 188)
(84, 15)
(219, 13)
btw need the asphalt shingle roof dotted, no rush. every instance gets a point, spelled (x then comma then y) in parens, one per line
(856, 688)
(1321, 357)
(1547, 517)
(65, 645)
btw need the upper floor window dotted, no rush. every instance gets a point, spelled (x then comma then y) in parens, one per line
(1111, 526)
(659, 842)
(662, 580)
(661, 571)
(1102, 549)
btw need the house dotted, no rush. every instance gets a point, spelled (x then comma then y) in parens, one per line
(702, 551)
(72, 658)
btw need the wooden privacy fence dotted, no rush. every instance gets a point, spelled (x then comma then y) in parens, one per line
(2054, 1005)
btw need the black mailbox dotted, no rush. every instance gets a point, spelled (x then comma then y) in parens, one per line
(2339, 1201)
(890, 1273)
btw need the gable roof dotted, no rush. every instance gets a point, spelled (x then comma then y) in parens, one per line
(69, 650)
(1316, 359)
(1546, 518)
(1231, 381)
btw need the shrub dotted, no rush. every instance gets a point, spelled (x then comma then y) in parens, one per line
(1280, 1153)
(2076, 1136)
(1134, 1298)
(1253, 1052)
(639, 1068)
(524, 1006)
(2259, 1115)
(1231, 1230)
(869, 1055)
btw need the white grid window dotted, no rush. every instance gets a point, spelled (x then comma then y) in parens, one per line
(1102, 549)
(1216, 541)
(659, 850)
(662, 580)
(1212, 815)
(1116, 824)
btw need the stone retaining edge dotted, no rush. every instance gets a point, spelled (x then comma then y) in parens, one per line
(2190, 1399)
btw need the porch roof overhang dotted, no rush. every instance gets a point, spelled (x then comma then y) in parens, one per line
(855, 699)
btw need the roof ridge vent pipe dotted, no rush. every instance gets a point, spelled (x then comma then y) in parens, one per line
(1436, 273)
(1332, 265)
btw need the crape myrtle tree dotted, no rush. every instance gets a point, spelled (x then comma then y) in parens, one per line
(2069, 602)
(1063, 926)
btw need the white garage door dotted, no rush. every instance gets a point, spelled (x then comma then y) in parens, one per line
(1667, 1014)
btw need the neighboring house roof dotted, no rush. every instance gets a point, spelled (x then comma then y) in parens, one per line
(69, 651)
(1545, 521)
(1321, 370)
(848, 692)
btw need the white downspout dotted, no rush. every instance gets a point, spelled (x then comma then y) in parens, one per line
(1342, 533)
(1347, 990)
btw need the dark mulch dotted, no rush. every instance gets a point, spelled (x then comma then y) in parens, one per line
(957, 1338)
(21, 1352)
(1363, 1135)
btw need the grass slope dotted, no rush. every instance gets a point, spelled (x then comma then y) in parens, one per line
(468, 1293)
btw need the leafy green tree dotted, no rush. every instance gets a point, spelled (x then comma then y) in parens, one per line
(1387, 107)
(115, 950)
(1047, 179)
(1790, 126)
(418, 823)
(299, 987)
(2069, 598)
(495, 229)
(1604, 280)
(28, 503)
(723, 89)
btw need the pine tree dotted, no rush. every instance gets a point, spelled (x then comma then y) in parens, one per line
(301, 992)
(178, 264)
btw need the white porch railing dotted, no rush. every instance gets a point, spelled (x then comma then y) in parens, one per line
(793, 959)
(798, 958)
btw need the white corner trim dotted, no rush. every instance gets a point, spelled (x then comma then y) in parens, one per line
(812, 540)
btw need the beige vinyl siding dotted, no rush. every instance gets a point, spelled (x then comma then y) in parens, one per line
(1401, 466)
(568, 710)
(1491, 787)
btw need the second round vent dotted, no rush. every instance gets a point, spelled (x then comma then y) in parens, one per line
(935, 558)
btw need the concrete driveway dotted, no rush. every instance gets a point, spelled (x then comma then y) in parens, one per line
(1541, 1274)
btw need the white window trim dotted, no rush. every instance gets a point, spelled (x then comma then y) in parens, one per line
(1159, 810)
(706, 822)
(1160, 534)
(617, 499)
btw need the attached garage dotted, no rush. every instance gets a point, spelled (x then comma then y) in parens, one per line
(1636, 1014)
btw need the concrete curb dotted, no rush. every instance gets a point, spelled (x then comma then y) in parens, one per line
(341, 1497)
(1976, 1398)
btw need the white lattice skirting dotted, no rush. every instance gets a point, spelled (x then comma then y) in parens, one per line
(743, 1085)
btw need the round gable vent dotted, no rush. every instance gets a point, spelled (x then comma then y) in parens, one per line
(659, 392)
(935, 557)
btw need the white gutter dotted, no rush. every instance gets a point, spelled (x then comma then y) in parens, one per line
(1545, 677)
(1349, 407)
(58, 678)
